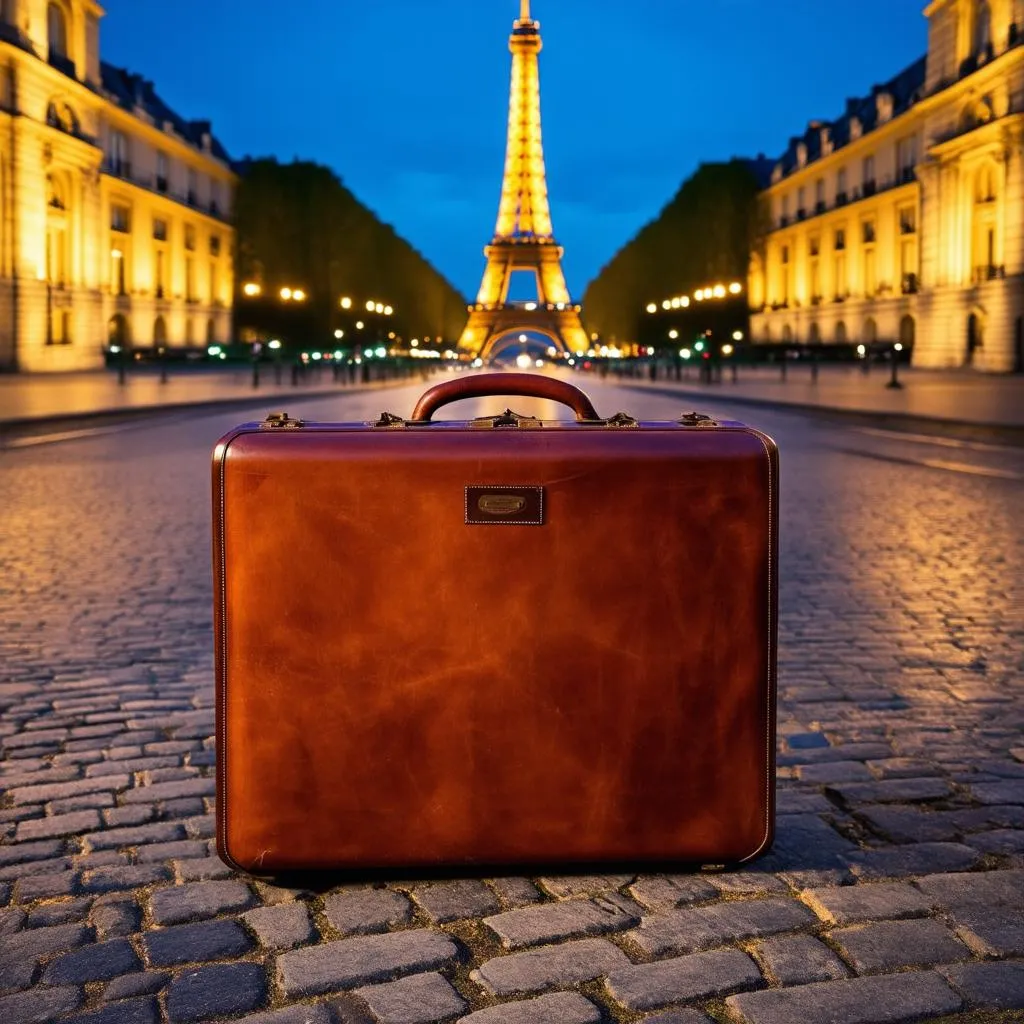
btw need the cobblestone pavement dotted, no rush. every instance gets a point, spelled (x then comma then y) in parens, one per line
(893, 893)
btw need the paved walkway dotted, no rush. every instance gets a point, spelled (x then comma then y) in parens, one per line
(946, 395)
(951, 396)
(50, 396)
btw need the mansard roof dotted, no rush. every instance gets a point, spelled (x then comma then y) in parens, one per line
(905, 89)
(130, 90)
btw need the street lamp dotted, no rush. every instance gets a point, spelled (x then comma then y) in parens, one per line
(346, 302)
(251, 289)
(894, 381)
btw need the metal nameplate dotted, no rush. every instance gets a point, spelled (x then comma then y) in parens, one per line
(504, 505)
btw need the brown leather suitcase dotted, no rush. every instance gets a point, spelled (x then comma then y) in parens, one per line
(494, 642)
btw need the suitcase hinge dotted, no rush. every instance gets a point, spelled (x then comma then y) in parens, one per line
(279, 421)
(697, 419)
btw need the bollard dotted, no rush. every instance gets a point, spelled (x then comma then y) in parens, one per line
(255, 373)
(163, 367)
(814, 368)
(894, 380)
(735, 370)
(295, 374)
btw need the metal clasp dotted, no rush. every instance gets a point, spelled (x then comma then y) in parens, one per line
(697, 419)
(280, 420)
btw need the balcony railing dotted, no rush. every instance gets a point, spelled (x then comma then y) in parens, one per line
(161, 184)
(119, 168)
(62, 63)
(841, 199)
(870, 188)
(909, 284)
(819, 206)
(989, 272)
(908, 175)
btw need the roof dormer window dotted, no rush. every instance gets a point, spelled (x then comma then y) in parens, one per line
(57, 30)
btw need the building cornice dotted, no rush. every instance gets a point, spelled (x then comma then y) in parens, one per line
(115, 183)
(965, 86)
(934, 6)
(895, 193)
(119, 117)
(993, 131)
(89, 95)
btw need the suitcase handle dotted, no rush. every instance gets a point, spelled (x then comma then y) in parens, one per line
(524, 385)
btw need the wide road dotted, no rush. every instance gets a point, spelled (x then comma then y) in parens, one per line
(893, 892)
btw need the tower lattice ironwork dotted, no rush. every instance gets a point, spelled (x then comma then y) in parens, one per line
(523, 239)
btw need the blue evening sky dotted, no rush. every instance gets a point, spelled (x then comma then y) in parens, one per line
(407, 100)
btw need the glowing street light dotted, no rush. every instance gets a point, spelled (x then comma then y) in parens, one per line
(737, 335)
(666, 304)
(673, 334)
(379, 307)
(274, 344)
(370, 306)
(298, 295)
(339, 334)
(252, 289)
(652, 307)
(684, 301)
(286, 294)
(388, 311)
(359, 325)
(735, 288)
(346, 302)
(727, 350)
(719, 291)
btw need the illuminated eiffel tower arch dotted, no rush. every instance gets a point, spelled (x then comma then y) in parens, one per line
(523, 238)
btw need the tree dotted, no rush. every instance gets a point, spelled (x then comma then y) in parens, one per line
(705, 234)
(298, 226)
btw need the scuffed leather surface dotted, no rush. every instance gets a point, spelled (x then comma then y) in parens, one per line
(400, 688)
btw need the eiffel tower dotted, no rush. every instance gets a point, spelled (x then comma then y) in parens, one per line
(523, 238)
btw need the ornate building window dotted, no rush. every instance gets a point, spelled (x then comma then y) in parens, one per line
(57, 30)
(984, 234)
(982, 29)
(161, 171)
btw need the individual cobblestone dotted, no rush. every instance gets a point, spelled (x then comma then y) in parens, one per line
(58, 825)
(879, 1000)
(875, 901)
(564, 1007)
(550, 922)
(143, 983)
(799, 959)
(130, 1011)
(652, 986)
(915, 859)
(111, 838)
(454, 901)
(988, 986)
(100, 961)
(420, 999)
(193, 943)
(117, 918)
(222, 990)
(366, 910)
(200, 900)
(889, 945)
(691, 929)
(40, 1006)
(317, 1013)
(363, 960)
(280, 927)
(516, 892)
(550, 967)
(665, 892)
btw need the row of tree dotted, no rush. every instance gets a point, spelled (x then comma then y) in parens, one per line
(298, 226)
(705, 234)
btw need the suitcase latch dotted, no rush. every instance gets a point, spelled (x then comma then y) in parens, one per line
(696, 419)
(508, 419)
(279, 421)
(389, 419)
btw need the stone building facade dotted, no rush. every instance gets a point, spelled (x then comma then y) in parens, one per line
(113, 209)
(903, 219)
